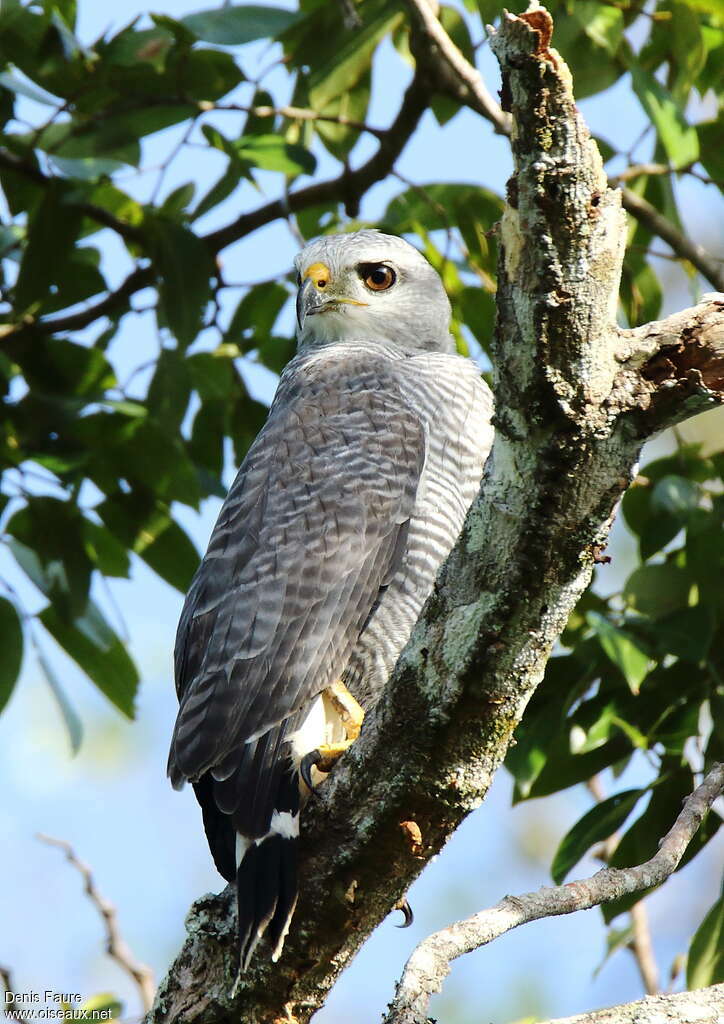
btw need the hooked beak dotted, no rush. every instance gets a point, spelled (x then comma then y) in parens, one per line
(310, 302)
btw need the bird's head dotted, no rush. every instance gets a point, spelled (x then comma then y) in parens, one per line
(367, 286)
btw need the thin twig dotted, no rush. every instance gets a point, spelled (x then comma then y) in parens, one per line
(638, 171)
(642, 948)
(116, 946)
(430, 962)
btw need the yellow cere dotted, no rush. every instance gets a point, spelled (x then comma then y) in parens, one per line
(320, 274)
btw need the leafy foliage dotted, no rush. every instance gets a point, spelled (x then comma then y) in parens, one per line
(95, 461)
(640, 674)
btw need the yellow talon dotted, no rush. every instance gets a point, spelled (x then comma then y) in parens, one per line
(349, 711)
(326, 755)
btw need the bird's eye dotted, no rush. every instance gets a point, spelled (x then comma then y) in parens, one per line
(377, 276)
(299, 280)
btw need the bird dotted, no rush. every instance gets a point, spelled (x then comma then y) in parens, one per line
(325, 549)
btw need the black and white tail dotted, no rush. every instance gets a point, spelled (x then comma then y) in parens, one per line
(266, 874)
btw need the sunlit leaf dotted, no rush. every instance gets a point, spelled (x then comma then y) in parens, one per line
(623, 650)
(239, 24)
(678, 138)
(705, 963)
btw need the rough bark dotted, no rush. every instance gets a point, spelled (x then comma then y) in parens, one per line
(576, 398)
(704, 1006)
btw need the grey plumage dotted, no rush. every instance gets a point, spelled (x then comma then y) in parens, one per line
(324, 552)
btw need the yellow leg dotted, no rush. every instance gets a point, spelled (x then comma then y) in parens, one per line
(322, 760)
(349, 711)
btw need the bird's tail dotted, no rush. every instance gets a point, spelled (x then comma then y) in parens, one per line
(266, 874)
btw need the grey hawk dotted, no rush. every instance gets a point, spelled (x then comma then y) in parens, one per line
(326, 547)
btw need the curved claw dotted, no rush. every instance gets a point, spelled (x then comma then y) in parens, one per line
(309, 761)
(406, 909)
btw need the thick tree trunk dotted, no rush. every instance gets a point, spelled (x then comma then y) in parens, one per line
(576, 398)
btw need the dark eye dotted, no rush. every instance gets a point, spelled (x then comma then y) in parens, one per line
(299, 280)
(377, 276)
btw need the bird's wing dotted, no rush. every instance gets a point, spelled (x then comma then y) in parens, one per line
(312, 527)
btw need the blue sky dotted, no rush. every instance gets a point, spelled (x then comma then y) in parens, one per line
(145, 842)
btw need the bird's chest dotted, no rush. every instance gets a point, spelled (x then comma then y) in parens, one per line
(456, 412)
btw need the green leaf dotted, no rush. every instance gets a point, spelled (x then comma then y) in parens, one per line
(186, 268)
(211, 374)
(653, 530)
(687, 633)
(351, 55)
(110, 557)
(678, 138)
(11, 649)
(131, 47)
(596, 825)
(24, 87)
(239, 24)
(641, 295)
(587, 38)
(145, 527)
(676, 496)
(206, 444)
(272, 153)
(616, 938)
(57, 366)
(476, 309)
(169, 391)
(223, 188)
(94, 646)
(256, 314)
(622, 649)
(711, 142)
(705, 963)
(76, 140)
(203, 75)
(49, 545)
(105, 1003)
(602, 24)
(657, 590)
(70, 719)
(439, 206)
(52, 231)
(340, 139)
(275, 352)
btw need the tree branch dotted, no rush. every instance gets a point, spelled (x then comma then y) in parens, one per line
(116, 947)
(429, 964)
(705, 1006)
(576, 398)
(452, 72)
(647, 215)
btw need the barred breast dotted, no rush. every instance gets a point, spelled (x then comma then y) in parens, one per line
(455, 407)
